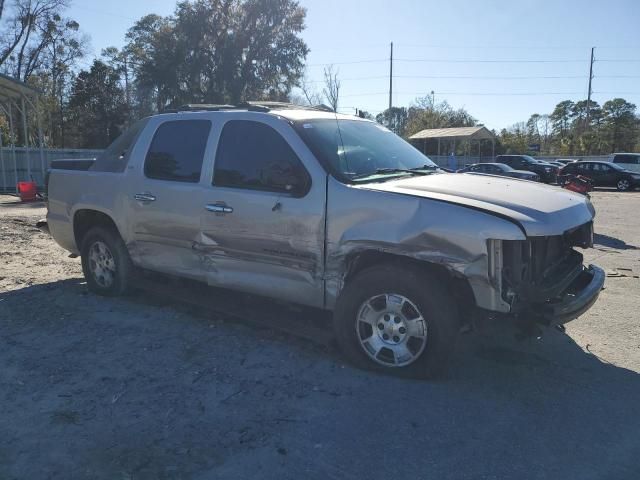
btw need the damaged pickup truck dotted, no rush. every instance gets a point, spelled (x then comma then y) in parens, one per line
(329, 211)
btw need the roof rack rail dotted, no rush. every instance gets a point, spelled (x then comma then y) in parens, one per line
(199, 107)
(256, 106)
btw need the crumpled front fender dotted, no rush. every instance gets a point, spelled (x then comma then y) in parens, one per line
(452, 236)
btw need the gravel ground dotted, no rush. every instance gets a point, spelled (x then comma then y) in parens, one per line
(140, 388)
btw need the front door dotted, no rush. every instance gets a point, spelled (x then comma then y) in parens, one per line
(166, 199)
(263, 217)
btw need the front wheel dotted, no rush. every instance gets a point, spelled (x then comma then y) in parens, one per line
(396, 320)
(623, 185)
(106, 263)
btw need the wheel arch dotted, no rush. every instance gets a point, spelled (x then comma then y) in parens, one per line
(460, 287)
(86, 218)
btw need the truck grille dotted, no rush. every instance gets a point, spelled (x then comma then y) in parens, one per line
(540, 268)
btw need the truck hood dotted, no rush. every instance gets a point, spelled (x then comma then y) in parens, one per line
(541, 210)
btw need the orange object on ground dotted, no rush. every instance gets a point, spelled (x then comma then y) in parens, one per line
(27, 191)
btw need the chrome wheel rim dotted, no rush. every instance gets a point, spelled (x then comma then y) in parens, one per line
(391, 330)
(102, 264)
(623, 184)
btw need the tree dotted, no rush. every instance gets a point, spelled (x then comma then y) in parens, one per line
(97, 106)
(331, 88)
(40, 46)
(515, 139)
(395, 119)
(561, 117)
(27, 35)
(219, 51)
(425, 114)
(620, 124)
(309, 95)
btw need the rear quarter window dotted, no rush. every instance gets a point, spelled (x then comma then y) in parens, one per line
(177, 151)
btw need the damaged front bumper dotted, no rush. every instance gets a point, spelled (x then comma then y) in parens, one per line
(581, 294)
(543, 279)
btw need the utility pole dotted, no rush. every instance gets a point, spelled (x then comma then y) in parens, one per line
(391, 79)
(589, 92)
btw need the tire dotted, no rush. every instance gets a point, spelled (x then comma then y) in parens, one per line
(623, 185)
(403, 292)
(106, 263)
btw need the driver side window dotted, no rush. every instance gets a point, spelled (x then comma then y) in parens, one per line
(252, 155)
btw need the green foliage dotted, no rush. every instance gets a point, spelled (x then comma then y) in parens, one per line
(395, 119)
(424, 113)
(577, 128)
(97, 106)
(219, 51)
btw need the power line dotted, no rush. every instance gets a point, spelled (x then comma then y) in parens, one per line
(479, 77)
(103, 12)
(450, 60)
(630, 60)
(496, 94)
(493, 77)
(346, 63)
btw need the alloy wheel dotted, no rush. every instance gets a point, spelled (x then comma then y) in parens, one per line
(391, 330)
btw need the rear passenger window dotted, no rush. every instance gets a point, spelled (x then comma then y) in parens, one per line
(628, 159)
(254, 156)
(177, 151)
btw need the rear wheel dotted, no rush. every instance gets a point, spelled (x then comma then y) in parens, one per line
(623, 185)
(396, 320)
(105, 262)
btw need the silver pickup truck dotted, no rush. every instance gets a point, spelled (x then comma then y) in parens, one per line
(330, 211)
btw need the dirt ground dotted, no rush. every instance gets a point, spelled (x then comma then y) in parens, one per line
(146, 388)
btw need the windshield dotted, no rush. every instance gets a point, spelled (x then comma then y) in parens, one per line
(360, 150)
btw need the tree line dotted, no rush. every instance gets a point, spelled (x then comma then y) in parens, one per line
(577, 129)
(229, 51)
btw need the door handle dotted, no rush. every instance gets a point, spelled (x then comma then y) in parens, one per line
(145, 197)
(218, 208)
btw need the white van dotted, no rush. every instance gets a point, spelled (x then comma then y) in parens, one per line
(630, 161)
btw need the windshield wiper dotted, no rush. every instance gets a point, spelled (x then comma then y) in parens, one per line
(425, 167)
(383, 171)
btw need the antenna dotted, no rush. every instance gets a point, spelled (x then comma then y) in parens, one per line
(589, 92)
(391, 79)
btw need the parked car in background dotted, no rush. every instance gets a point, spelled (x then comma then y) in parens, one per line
(566, 161)
(555, 163)
(545, 171)
(628, 161)
(500, 169)
(604, 174)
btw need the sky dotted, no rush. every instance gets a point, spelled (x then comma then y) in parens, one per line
(500, 60)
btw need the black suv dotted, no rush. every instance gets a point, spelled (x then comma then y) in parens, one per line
(547, 172)
(604, 174)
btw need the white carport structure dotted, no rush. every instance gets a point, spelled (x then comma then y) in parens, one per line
(448, 137)
(17, 97)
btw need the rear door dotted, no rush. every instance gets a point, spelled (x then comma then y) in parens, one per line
(606, 175)
(166, 198)
(263, 212)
